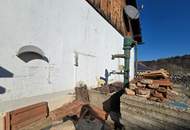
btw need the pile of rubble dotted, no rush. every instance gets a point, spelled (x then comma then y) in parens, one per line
(79, 109)
(153, 85)
(83, 115)
(183, 79)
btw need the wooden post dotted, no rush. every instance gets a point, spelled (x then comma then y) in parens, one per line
(82, 93)
(7, 121)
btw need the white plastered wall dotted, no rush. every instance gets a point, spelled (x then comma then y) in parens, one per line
(59, 28)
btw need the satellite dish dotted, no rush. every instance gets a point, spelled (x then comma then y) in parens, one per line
(131, 12)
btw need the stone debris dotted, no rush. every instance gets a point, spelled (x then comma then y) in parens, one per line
(153, 85)
(182, 79)
(146, 81)
(129, 92)
(132, 86)
(143, 92)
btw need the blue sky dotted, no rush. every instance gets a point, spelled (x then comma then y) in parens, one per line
(165, 28)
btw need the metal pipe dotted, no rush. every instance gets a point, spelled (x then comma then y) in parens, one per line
(127, 49)
(118, 56)
(119, 73)
(136, 59)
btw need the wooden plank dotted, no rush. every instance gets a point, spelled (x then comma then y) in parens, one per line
(91, 1)
(27, 108)
(7, 123)
(116, 11)
(97, 4)
(163, 82)
(104, 7)
(109, 10)
(28, 122)
(4, 123)
(28, 115)
(112, 11)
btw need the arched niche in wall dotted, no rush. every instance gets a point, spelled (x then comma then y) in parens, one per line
(30, 52)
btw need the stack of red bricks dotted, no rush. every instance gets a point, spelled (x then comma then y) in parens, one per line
(153, 85)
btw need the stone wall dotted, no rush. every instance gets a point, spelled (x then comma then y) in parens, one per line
(139, 113)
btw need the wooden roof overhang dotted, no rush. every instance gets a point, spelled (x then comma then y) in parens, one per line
(113, 12)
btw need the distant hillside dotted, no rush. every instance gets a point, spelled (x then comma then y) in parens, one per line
(175, 65)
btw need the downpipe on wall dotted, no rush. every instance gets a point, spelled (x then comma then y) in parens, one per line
(128, 44)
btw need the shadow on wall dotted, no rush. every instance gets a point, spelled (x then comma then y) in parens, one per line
(30, 52)
(4, 73)
(2, 90)
(29, 56)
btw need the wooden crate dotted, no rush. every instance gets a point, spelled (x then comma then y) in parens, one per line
(22, 117)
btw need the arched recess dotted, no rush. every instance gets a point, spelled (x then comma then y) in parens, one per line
(30, 52)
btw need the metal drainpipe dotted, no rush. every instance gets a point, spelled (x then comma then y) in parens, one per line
(128, 44)
(136, 59)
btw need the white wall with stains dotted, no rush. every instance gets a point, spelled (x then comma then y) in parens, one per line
(59, 28)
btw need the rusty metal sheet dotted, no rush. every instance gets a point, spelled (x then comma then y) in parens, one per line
(68, 109)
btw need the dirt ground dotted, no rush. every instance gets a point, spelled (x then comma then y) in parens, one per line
(55, 100)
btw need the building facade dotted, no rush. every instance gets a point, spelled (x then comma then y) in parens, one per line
(48, 46)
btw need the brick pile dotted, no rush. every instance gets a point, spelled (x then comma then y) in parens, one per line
(153, 85)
